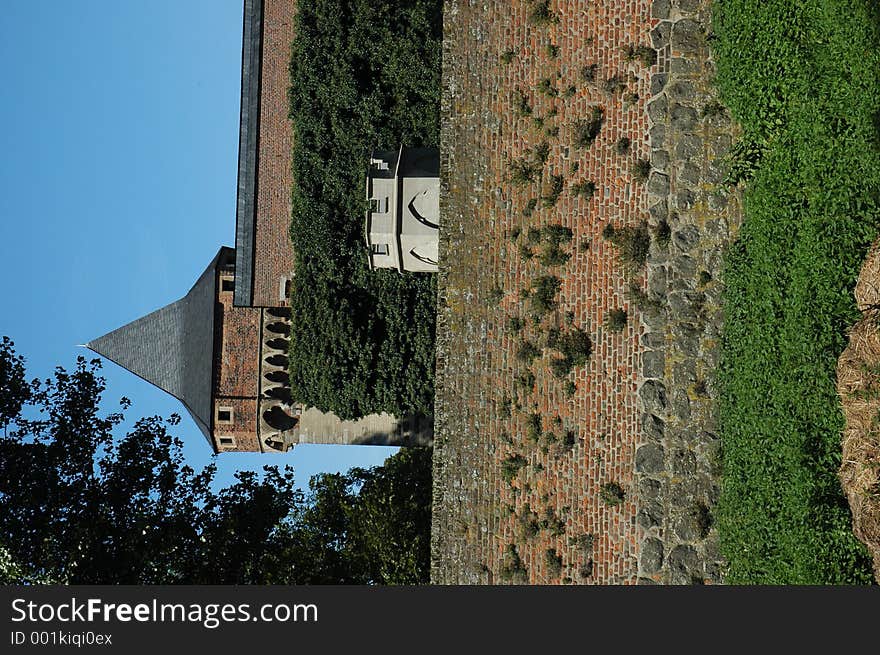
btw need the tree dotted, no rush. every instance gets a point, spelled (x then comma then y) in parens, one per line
(81, 506)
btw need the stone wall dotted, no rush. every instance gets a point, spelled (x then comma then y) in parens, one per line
(642, 411)
(677, 463)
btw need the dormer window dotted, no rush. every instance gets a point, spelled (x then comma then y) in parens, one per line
(379, 205)
(379, 248)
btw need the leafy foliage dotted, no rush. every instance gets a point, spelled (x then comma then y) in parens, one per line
(527, 351)
(553, 255)
(16, 390)
(541, 14)
(642, 53)
(556, 234)
(553, 561)
(511, 465)
(585, 189)
(543, 294)
(362, 341)
(586, 131)
(80, 505)
(801, 79)
(576, 346)
(512, 567)
(588, 73)
(641, 171)
(554, 190)
(612, 493)
(617, 319)
(633, 241)
(615, 84)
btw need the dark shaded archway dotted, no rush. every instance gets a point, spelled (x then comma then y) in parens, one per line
(279, 328)
(279, 419)
(278, 377)
(277, 360)
(280, 393)
(279, 344)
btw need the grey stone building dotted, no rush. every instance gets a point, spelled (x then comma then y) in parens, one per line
(403, 214)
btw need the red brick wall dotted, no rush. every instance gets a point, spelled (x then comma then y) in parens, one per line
(237, 370)
(274, 253)
(243, 427)
(476, 512)
(239, 355)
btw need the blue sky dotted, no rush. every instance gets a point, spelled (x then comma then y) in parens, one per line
(120, 141)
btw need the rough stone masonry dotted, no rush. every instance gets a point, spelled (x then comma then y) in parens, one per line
(604, 476)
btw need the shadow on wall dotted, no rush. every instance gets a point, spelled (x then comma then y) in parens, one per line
(278, 419)
(279, 328)
(411, 430)
(278, 377)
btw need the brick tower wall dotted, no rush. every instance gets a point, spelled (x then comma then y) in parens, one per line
(274, 252)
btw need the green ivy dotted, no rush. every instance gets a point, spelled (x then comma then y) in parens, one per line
(362, 341)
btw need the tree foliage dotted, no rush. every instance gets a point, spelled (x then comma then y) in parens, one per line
(80, 505)
(365, 74)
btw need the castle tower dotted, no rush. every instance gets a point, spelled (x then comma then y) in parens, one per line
(222, 349)
(228, 366)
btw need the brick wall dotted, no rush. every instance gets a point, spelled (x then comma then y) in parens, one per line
(274, 253)
(243, 427)
(480, 414)
(237, 351)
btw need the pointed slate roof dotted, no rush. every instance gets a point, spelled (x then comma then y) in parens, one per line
(249, 130)
(173, 347)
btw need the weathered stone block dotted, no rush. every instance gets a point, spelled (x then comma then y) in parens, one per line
(660, 35)
(653, 340)
(652, 555)
(649, 516)
(657, 108)
(684, 565)
(682, 118)
(658, 184)
(687, 36)
(658, 81)
(717, 201)
(653, 395)
(684, 266)
(688, 146)
(649, 489)
(681, 91)
(657, 135)
(688, 173)
(686, 526)
(649, 459)
(653, 364)
(684, 462)
(660, 9)
(686, 238)
(659, 211)
(653, 427)
(659, 159)
(684, 200)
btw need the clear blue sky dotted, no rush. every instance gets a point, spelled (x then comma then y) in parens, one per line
(120, 146)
